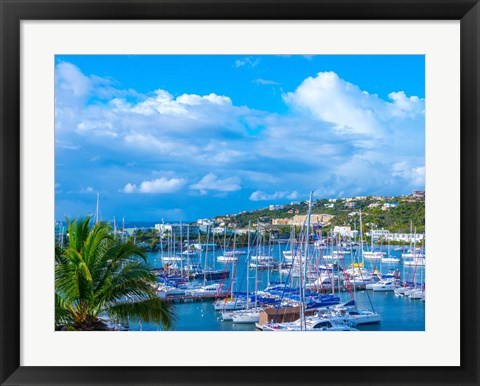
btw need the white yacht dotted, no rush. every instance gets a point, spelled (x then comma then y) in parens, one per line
(226, 258)
(357, 317)
(416, 293)
(390, 259)
(173, 259)
(418, 262)
(208, 290)
(373, 255)
(313, 323)
(230, 304)
(247, 316)
(384, 286)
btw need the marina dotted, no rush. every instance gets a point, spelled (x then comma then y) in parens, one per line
(309, 282)
(268, 280)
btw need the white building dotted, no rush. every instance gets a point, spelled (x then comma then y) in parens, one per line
(177, 230)
(275, 207)
(379, 233)
(405, 237)
(220, 230)
(389, 205)
(204, 221)
(345, 231)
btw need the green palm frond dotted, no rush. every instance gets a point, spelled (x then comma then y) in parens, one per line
(134, 279)
(96, 273)
(151, 310)
(112, 261)
(63, 314)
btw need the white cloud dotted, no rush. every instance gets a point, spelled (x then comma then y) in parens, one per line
(195, 100)
(164, 103)
(412, 175)
(88, 189)
(335, 134)
(129, 188)
(212, 182)
(404, 106)
(160, 185)
(352, 111)
(265, 82)
(71, 80)
(247, 62)
(66, 145)
(262, 196)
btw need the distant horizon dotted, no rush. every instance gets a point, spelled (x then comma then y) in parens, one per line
(177, 136)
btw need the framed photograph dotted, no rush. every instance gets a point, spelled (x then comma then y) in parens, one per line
(235, 192)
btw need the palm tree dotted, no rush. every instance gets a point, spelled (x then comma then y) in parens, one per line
(97, 275)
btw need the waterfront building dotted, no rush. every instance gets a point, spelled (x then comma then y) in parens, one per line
(405, 237)
(221, 230)
(344, 231)
(301, 219)
(177, 229)
(378, 233)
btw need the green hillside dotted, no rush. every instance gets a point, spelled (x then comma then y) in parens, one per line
(395, 219)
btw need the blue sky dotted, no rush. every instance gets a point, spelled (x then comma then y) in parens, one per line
(187, 137)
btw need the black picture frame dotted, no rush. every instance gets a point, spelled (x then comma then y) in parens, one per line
(13, 11)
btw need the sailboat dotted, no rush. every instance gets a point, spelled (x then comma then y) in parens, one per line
(229, 306)
(230, 255)
(250, 315)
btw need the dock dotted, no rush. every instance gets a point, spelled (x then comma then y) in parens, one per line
(193, 298)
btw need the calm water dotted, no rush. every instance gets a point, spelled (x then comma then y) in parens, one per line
(398, 313)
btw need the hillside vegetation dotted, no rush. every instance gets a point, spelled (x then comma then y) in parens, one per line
(396, 219)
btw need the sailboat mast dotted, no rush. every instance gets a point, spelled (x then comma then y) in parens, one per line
(302, 290)
(268, 261)
(181, 248)
(247, 263)
(371, 237)
(225, 239)
(188, 253)
(361, 236)
(123, 229)
(97, 210)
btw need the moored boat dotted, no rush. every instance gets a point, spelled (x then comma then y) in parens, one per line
(384, 286)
